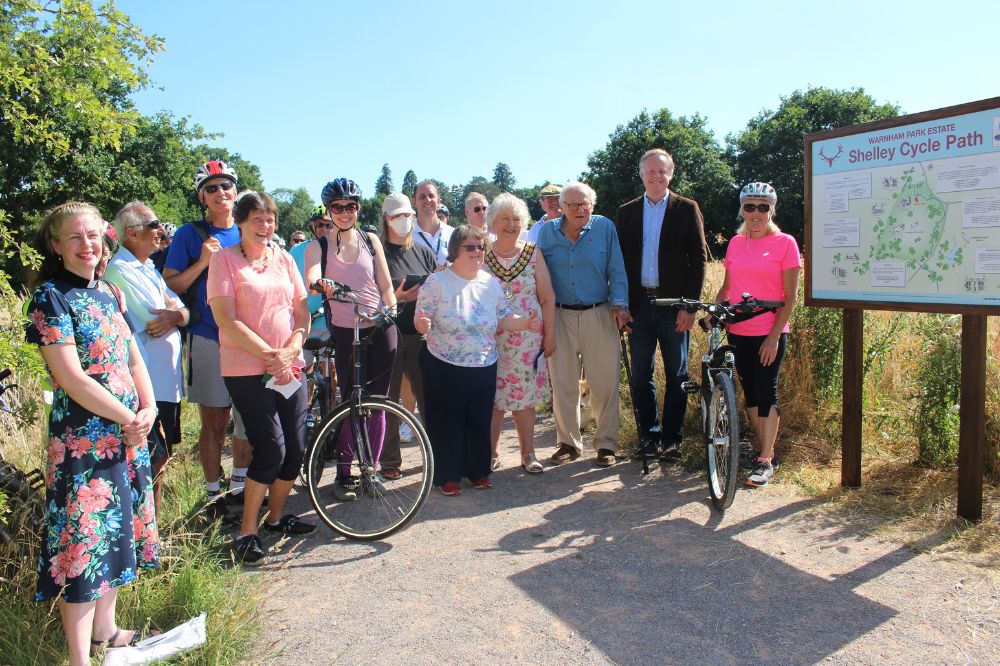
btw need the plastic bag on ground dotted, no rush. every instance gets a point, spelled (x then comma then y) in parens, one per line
(183, 637)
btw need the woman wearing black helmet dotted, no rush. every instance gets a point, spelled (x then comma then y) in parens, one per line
(355, 258)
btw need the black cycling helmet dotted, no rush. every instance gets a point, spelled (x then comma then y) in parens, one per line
(340, 188)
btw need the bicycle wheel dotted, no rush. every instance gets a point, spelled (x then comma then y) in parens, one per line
(723, 445)
(379, 506)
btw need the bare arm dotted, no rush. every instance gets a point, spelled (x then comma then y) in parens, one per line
(382, 278)
(724, 289)
(136, 431)
(790, 282)
(84, 390)
(181, 281)
(547, 299)
(518, 323)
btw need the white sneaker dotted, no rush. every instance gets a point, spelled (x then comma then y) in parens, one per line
(405, 433)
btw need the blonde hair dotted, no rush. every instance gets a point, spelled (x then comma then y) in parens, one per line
(772, 228)
(50, 228)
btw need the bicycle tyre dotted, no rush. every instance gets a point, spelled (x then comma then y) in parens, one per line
(382, 507)
(722, 453)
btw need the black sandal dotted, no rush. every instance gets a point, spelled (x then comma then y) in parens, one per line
(138, 635)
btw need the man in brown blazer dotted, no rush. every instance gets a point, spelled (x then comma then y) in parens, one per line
(662, 237)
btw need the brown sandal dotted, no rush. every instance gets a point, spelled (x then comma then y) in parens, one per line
(138, 635)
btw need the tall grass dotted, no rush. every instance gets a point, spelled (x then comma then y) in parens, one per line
(195, 573)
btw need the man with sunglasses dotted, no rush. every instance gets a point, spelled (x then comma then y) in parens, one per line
(662, 236)
(476, 206)
(154, 312)
(186, 272)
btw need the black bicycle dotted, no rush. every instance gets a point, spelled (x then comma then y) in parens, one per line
(719, 413)
(378, 506)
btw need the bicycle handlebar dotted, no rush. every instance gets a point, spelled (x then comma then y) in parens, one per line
(748, 304)
(344, 294)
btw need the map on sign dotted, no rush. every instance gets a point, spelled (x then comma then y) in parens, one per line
(909, 214)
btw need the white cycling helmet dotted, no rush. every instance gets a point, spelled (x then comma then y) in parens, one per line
(213, 169)
(758, 190)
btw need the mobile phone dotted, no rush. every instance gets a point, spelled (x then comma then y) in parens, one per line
(412, 280)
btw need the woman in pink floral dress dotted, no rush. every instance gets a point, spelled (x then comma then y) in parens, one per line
(100, 525)
(522, 373)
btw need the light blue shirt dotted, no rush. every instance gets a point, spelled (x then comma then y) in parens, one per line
(313, 301)
(589, 271)
(144, 289)
(652, 223)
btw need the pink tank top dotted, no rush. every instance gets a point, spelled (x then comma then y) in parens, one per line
(359, 276)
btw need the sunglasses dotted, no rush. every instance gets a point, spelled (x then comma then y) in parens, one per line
(296, 241)
(215, 187)
(760, 208)
(343, 208)
(151, 224)
(479, 209)
(324, 225)
(474, 248)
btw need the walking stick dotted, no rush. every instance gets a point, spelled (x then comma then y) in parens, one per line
(626, 361)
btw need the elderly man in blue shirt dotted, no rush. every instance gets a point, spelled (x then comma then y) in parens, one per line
(154, 313)
(588, 276)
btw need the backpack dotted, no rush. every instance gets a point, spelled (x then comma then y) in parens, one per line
(190, 296)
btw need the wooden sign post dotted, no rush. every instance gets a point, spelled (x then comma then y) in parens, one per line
(904, 214)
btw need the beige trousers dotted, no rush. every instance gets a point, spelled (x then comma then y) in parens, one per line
(590, 336)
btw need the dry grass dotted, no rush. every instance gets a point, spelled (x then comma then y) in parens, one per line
(898, 498)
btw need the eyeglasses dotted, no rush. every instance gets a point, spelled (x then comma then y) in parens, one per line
(474, 248)
(296, 241)
(578, 206)
(343, 208)
(479, 209)
(444, 215)
(323, 225)
(151, 224)
(760, 208)
(215, 187)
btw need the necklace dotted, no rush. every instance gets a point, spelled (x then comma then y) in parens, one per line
(260, 264)
(508, 275)
(505, 255)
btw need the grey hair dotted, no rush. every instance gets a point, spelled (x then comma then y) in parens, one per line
(507, 202)
(475, 196)
(577, 186)
(130, 215)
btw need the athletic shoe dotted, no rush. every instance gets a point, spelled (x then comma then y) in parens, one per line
(249, 551)
(290, 524)
(451, 488)
(482, 484)
(345, 489)
(671, 453)
(762, 473)
(405, 432)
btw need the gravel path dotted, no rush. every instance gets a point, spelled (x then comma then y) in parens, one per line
(583, 565)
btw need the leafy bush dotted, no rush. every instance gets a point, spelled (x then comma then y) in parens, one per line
(938, 372)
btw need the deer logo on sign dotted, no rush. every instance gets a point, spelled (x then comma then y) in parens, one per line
(830, 160)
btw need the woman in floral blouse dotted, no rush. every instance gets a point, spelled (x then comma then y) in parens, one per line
(522, 374)
(100, 525)
(460, 309)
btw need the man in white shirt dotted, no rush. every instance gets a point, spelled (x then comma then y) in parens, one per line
(154, 312)
(430, 230)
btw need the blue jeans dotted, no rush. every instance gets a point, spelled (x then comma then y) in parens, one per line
(654, 325)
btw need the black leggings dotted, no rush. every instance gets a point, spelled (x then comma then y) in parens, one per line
(275, 425)
(760, 383)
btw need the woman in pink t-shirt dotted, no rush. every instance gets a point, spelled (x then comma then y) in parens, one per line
(259, 302)
(764, 262)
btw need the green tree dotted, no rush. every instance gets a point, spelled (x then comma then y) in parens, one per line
(409, 183)
(294, 207)
(503, 178)
(530, 196)
(384, 185)
(700, 170)
(371, 211)
(771, 147)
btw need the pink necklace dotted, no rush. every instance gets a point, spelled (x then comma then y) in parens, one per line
(259, 265)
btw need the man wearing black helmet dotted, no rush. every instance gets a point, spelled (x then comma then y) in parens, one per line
(185, 273)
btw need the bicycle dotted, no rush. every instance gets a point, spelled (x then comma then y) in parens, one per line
(322, 382)
(381, 506)
(719, 414)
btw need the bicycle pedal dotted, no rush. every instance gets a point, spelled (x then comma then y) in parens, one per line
(690, 387)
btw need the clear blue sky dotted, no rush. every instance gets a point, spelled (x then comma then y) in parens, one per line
(311, 91)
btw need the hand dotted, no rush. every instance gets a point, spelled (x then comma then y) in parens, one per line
(284, 376)
(533, 323)
(136, 431)
(422, 323)
(165, 321)
(548, 344)
(208, 248)
(407, 295)
(279, 360)
(685, 321)
(768, 350)
(621, 317)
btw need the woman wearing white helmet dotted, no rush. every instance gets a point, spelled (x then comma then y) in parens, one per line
(765, 262)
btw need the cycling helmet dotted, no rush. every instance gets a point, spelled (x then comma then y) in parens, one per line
(213, 169)
(341, 188)
(278, 240)
(759, 190)
(316, 213)
(168, 229)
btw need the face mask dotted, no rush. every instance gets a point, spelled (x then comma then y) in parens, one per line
(401, 225)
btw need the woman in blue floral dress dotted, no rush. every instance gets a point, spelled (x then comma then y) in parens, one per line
(100, 524)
